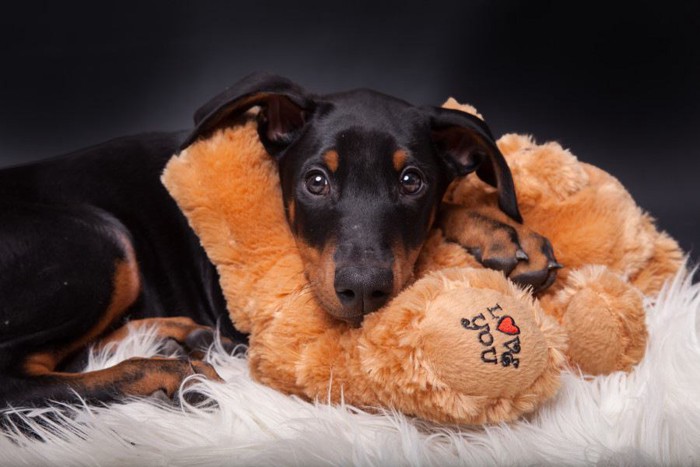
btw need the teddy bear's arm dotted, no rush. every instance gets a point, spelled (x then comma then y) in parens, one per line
(460, 345)
(496, 242)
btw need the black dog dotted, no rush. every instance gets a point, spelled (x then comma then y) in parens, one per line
(92, 239)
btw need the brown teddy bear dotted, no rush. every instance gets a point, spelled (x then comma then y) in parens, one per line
(462, 344)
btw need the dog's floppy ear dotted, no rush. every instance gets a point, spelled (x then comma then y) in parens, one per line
(284, 109)
(467, 145)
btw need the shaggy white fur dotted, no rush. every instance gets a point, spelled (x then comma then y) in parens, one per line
(650, 416)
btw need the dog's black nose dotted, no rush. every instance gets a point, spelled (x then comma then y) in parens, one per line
(363, 290)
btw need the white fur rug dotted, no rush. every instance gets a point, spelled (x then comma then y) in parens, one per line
(650, 416)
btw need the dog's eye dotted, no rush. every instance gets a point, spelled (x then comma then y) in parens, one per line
(411, 181)
(317, 183)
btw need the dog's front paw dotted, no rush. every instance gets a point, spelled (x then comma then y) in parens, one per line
(523, 255)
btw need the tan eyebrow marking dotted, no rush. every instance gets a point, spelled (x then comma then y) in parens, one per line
(332, 160)
(399, 159)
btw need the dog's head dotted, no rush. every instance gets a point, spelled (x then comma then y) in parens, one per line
(362, 176)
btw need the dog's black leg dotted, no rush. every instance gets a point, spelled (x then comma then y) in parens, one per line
(66, 276)
(133, 377)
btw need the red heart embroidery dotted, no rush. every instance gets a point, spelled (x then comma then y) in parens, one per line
(507, 326)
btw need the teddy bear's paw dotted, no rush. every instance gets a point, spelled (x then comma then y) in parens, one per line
(605, 321)
(523, 255)
(482, 342)
(490, 341)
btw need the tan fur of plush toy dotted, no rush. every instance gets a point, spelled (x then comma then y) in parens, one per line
(460, 345)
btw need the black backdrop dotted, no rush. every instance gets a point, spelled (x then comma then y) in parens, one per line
(617, 84)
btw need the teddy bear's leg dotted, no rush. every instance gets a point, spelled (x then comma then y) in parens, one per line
(498, 243)
(604, 317)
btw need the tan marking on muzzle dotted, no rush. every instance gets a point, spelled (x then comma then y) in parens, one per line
(291, 212)
(433, 215)
(319, 268)
(403, 267)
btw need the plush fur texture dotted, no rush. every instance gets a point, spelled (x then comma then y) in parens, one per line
(645, 417)
(414, 355)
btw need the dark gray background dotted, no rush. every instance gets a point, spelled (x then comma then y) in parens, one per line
(617, 84)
